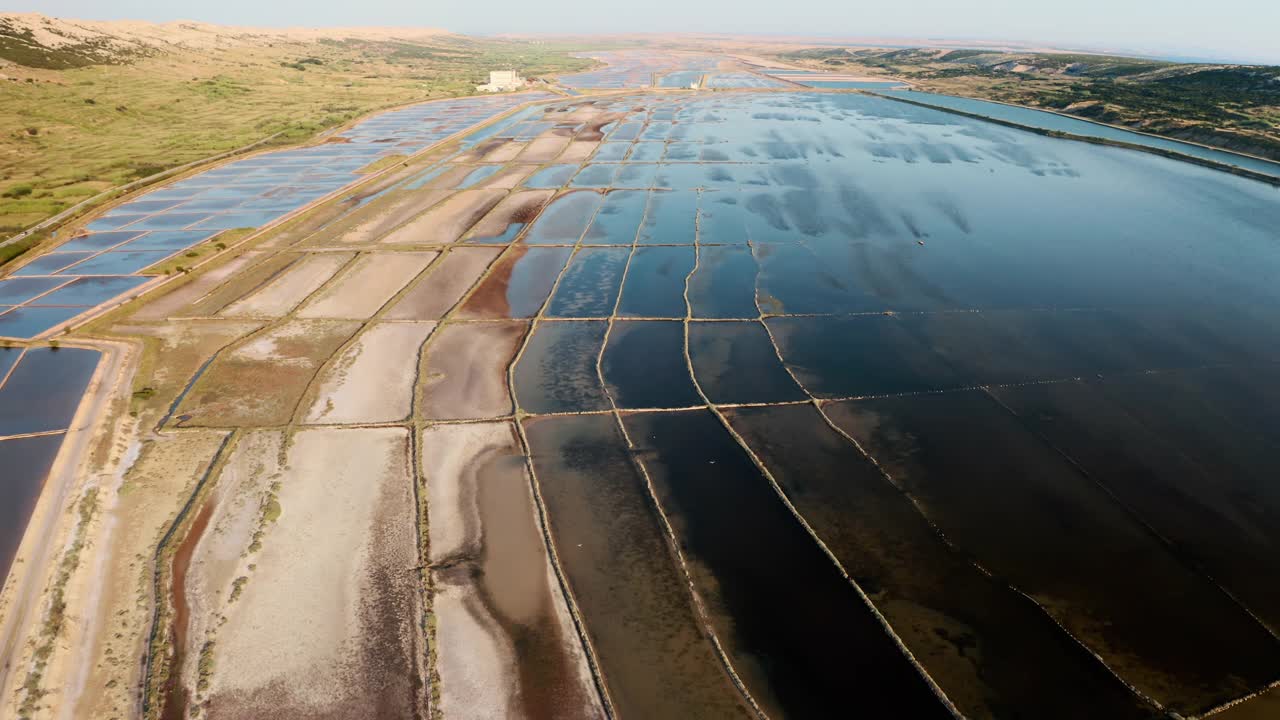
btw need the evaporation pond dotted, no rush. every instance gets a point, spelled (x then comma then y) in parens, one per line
(44, 390)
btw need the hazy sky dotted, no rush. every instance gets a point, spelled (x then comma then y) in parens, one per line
(1227, 29)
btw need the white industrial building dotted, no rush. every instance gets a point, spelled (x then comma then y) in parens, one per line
(502, 80)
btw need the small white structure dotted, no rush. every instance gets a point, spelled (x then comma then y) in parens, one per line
(502, 80)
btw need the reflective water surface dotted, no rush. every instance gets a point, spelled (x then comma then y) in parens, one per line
(1015, 391)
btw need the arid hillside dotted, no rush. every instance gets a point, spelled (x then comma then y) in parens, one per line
(1231, 106)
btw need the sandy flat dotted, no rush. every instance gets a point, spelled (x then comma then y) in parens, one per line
(439, 290)
(504, 152)
(578, 151)
(367, 285)
(465, 374)
(510, 176)
(505, 645)
(372, 381)
(447, 221)
(249, 278)
(326, 627)
(293, 286)
(386, 216)
(544, 148)
(221, 553)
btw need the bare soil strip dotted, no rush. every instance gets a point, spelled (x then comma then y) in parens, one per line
(342, 641)
(372, 381)
(366, 286)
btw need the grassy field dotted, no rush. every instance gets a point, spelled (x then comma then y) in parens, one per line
(1231, 106)
(67, 134)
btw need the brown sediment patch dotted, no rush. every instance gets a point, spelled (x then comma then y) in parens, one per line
(578, 151)
(1265, 706)
(653, 654)
(465, 370)
(259, 382)
(518, 208)
(367, 285)
(478, 153)
(594, 129)
(328, 625)
(381, 216)
(175, 694)
(372, 381)
(447, 221)
(506, 646)
(447, 282)
(518, 284)
(544, 148)
(181, 296)
(510, 176)
(291, 287)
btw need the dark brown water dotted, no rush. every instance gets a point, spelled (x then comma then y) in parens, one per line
(644, 365)
(993, 652)
(1037, 523)
(787, 618)
(655, 282)
(656, 660)
(735, 363)
(557, 372)
(1223, 519)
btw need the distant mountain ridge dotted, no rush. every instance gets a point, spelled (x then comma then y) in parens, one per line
(39, 41)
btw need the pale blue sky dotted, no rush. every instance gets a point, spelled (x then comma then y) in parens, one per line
(1226, 29)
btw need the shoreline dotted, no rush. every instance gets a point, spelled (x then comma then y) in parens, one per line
(1273, 180)
(1068, 116)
